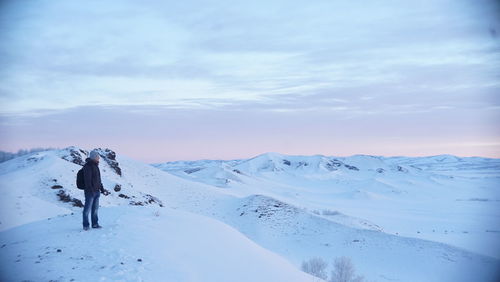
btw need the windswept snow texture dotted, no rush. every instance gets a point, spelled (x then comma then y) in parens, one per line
(249, 220)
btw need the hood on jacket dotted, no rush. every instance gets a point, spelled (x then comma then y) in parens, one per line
(90, 160)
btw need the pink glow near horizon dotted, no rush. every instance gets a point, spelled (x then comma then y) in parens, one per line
(156, 153)
(191, 135)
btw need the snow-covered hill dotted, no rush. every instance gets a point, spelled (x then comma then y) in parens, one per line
(267, 216)
(440, 198)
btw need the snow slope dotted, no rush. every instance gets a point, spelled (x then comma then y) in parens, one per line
(139, 244)
(260, 206)
(296, 235)
(440, 198)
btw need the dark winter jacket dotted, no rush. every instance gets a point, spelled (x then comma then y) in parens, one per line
(92, 176)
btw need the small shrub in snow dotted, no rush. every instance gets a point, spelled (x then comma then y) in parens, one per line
(316, 267)
(343, 271)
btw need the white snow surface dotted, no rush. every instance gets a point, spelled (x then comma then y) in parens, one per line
(138, 244)
(251, 220)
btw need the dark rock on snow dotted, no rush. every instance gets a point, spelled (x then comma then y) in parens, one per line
(68, 199)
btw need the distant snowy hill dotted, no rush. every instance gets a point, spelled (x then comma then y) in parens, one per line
(440, 198)
(242, 220)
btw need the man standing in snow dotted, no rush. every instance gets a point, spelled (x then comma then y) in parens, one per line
(93, 186)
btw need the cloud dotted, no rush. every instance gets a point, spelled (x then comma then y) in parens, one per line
(375, 67)
(238, 51)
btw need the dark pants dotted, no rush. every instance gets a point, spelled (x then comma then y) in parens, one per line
(91, 204)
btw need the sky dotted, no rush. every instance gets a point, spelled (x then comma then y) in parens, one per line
(185, 80)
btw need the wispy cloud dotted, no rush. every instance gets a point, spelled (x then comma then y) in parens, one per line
(335, 61)
(88, 53)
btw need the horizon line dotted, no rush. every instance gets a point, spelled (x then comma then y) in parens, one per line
(41, 149)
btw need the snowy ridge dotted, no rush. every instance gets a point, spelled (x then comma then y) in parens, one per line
(274, 162)
(286, 223)
(49, 176)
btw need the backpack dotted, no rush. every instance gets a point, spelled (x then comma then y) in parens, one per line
(79, 180)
